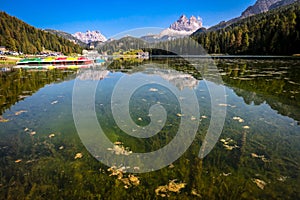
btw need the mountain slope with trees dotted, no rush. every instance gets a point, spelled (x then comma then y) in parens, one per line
(260, 6)
(67, 36)
(123, 44)
(16, 35)
(276, 32)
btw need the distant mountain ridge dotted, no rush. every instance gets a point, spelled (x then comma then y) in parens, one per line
(90, 36)
(67, 36)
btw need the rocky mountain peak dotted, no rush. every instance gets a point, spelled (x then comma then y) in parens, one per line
(183, 18)
(185, 24)
(90, 36)
(193, 19)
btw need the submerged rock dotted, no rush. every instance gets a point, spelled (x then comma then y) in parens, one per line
(163, 191)
(20, 112)
(282, 178)
(153, 90)
(129, 181)
(119, 149)
(260, 183)
(230, 148)
(118, 143)
(78, 156)
(134, 180)
(179, 115)
(238, 119)
(136, 168)
(229, 144)
(171, 166)
(226, 174)
(223, 141)
(32, 133)
(262, 157)
(254, 155)
(54, 102)
(195, 193)
(224, 105)
(175, 187)
(2, 120)
(117, 171)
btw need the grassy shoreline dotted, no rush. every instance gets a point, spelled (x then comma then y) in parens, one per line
(6, 61)
(7, 64)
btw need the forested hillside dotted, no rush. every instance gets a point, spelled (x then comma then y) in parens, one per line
(276, 32)
(19, 36)
(123, 44)
(67, 36)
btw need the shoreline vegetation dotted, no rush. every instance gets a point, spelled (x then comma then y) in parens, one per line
(10, 61)
(6, 61)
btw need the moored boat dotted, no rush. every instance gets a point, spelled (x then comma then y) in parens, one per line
(55, 61)
(50, 67)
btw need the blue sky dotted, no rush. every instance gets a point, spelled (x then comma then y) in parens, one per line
(112, 17)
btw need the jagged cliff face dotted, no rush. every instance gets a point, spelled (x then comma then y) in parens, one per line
(265, 5)
(282, 3)
(90, 36)
(260, 6)
(182, 27)
(185, 24)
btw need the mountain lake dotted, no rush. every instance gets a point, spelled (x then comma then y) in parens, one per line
(256, 155)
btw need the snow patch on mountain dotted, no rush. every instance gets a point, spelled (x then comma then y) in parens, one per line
(174, 33)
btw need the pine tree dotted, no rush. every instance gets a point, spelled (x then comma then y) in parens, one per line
(18, 36)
